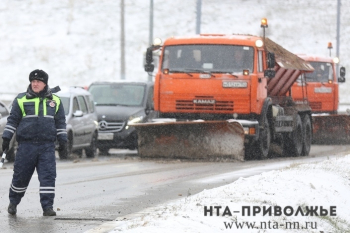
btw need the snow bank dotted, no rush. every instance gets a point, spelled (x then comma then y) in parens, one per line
(296, 190)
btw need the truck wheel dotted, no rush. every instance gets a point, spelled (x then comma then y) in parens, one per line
(133, 142)
(263, 145)
(294, 146)
(307, 133)
(91, 151)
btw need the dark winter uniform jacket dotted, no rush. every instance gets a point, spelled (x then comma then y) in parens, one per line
(36, 118)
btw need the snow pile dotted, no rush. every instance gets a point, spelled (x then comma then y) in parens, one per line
(297, 189)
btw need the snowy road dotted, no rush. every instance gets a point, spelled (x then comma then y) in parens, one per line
(92, 192)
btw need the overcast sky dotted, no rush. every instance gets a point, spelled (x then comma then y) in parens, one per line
(78, 41)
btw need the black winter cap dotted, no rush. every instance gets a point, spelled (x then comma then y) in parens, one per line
(39, 75)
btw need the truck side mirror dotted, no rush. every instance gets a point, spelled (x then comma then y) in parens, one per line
(341, 79)
(149, 67)
(271, 60)
(269, 73)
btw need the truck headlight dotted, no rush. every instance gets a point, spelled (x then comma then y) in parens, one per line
(249, 130)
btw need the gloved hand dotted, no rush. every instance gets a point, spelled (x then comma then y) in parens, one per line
(63, 149)
(5, 144)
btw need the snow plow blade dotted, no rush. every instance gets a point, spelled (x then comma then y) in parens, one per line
(208, 140)
(331, 129)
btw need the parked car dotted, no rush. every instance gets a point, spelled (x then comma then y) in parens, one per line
(81, 119)
(117, 104)
(4, 113)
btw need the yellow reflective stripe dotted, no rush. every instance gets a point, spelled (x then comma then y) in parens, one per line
(24, 99)
(36, 101)
(20, 104)
(44, 107)
(58, 101)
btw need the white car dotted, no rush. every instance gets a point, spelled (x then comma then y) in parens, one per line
(81, 119)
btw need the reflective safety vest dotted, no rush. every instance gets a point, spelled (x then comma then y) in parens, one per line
(55, 102)
(36, 120)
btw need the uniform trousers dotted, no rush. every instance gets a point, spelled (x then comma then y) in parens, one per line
(31, 156)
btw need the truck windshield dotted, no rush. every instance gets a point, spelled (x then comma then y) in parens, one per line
(118, 94)
(323, 72)
(210, 58)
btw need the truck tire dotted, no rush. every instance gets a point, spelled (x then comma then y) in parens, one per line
(307, 133)
(293, 146)
(262, 147)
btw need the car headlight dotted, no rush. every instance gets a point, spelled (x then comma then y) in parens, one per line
(135, 119)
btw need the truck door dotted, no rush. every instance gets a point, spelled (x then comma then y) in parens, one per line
(261, 80)
(322, 87)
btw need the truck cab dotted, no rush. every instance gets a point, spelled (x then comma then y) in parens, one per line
(245, 78)
(224, 69)
(321, 87)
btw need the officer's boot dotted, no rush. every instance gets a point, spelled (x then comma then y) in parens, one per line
(49, 212)
(12, 209)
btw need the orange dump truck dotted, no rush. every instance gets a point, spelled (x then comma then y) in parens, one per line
(321, 89)
(225, 96)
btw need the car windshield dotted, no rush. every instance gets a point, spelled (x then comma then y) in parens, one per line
(323, 72)
(208, 58)
(118, 94)
(65, 102)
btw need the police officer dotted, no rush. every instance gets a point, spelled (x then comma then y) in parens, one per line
(37, 116)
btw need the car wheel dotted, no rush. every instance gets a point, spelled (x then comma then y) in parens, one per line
(79, 152)
(91, 151)
(103, 150)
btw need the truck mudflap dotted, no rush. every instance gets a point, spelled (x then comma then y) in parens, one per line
(208, 140)
(331, 129)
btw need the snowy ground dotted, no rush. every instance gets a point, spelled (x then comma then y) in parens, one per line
(78, 42)
(303, 191)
